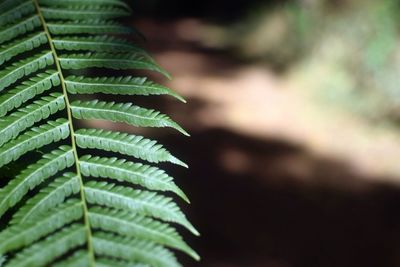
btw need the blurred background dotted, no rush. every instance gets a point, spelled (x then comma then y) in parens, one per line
(294, 111)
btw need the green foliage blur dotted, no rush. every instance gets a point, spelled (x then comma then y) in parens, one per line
(355, 59)
(346, 52)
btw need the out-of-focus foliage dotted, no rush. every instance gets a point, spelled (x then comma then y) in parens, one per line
(355, 61)
(346, 52)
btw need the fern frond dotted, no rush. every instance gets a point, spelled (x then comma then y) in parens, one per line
(79, 12)
(62, 208)
(6, 5)
(149, 177)
(107, 262)
(18, 236)
(78, 259)
(136, 226)
(20, 46)
(87, 26)
(131, 145)
(133, 250)
(35, 174)
(117, 86)
(48, 197)
(101, 43)
(143, 202)
(52, 247)
(36, 138)
(23, 68)
(118, 61)
(27, 90)
(17, 13)
(12, 125)
(122, 112)
(117, 3)
(21, 27)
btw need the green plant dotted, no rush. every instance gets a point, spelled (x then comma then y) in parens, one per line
(58, 206)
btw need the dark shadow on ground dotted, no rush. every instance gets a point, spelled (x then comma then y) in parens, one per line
(255, 207)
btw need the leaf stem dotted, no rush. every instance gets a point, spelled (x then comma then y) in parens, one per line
(73, 143)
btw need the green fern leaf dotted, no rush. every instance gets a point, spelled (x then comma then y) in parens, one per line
(6, 5)
(87, 26)
(134, 250)
(78, 259)
(23, 68)
(18, 236)
(36, 173)
(59, 207)
(128, 224)
(132, 145)
(43, 252)
(49, 197)
(21, 27)
(117, 3)
(135, 173)
(18, 47)
(106, 262)
(16, 13)
(11, 126)
(36, 138)
(102, 43)
(120, 112)
(117, 86)
(27, 90)
(83, 12)
(112, 61)
(142, 202)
